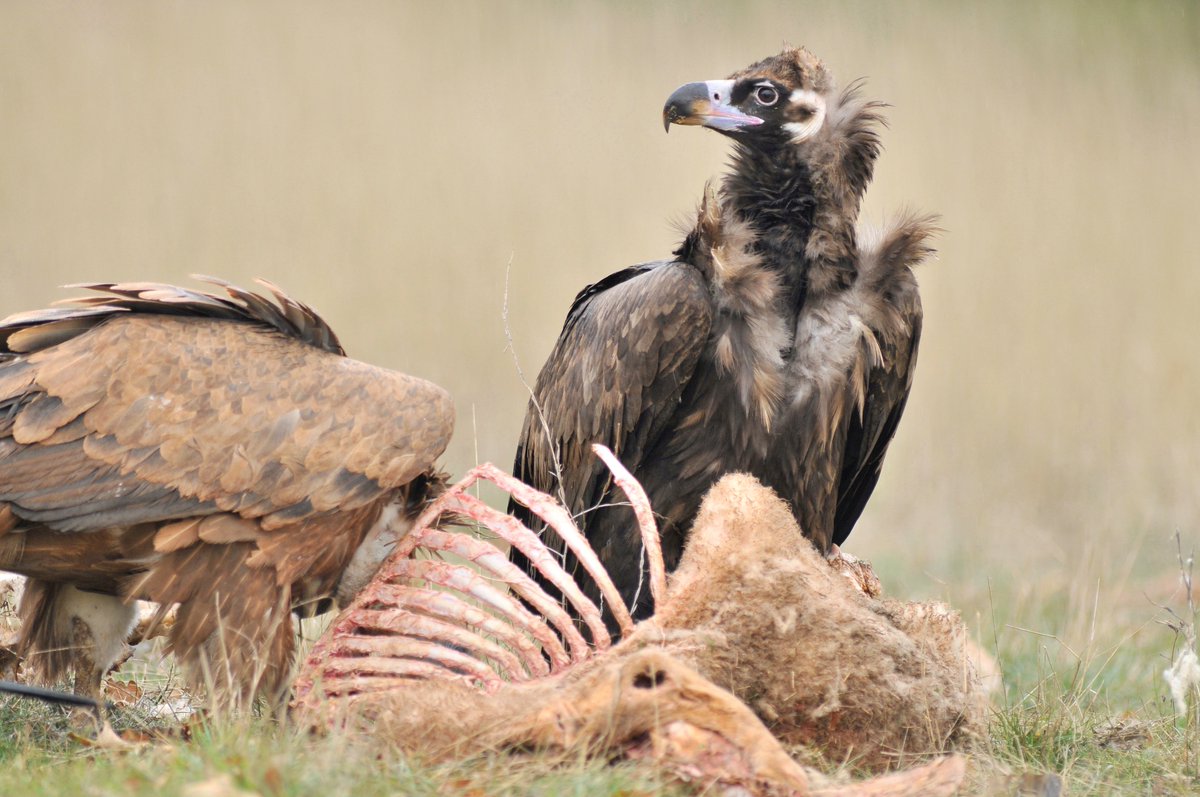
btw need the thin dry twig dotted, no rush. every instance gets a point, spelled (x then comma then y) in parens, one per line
(512, 350)
(1183, 676)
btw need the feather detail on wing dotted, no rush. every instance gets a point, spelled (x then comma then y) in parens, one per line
(628, 348)
(886, 292)
(154, 402)
(39, 329)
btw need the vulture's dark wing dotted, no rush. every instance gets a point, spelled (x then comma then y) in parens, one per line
(867, 438)
(891, 309)
(629, 346)
(156, 402)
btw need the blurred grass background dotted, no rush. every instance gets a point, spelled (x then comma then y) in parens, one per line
(387, 162)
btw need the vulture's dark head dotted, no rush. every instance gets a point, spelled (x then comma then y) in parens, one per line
(774, 103)
(804, 152)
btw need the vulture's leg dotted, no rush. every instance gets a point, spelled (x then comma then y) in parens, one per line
(99, 625)
(66, 629)
(88, 675)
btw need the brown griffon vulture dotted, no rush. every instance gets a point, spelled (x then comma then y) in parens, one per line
(218, 453)
(779, 341)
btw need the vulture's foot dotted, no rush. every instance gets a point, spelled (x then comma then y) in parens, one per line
(857, 571)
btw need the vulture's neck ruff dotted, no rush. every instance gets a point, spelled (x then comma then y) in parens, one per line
(801, 198)
(803, 155)
(772, 191)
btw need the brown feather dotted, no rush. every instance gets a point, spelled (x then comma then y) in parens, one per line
(40, 418)
(177, 536)
(43, 336)
(40, 642)
(73, 431)
(99, 561)
(228, 614)
(316, 547)
(217, 529)
(16, 377)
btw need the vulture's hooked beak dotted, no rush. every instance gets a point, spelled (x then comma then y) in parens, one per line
(708, 104)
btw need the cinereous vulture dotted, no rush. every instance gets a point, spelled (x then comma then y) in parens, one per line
(779, 341)
(216, 453)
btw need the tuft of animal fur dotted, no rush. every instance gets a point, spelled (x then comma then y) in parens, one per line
(757, 610)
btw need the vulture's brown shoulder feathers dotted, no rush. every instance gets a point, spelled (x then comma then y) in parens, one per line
(216, 452)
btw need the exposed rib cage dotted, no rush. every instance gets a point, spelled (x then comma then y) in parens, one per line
(483, 623)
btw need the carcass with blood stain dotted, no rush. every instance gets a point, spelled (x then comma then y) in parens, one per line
(757, 646)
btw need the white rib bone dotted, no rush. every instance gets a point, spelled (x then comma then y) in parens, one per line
(433, 634)
(415, 671)
(381, 655)
(467, 582)
(645, 518)
(511, 531)
(560, 520)
(453, 608)
(410, 624)
(492, 561)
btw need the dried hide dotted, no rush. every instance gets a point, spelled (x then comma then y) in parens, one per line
(763, 615)
(759, 646)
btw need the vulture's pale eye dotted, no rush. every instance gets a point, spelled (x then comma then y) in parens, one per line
(766, 95)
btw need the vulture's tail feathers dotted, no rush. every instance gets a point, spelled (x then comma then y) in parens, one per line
(889, 252)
